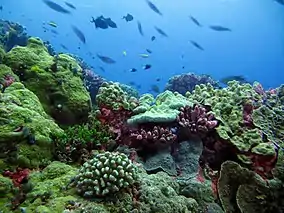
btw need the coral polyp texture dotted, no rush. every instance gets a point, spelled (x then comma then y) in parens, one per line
(104, 174)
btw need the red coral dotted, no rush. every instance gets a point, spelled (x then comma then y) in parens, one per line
(114, 119)
(247, 114)
(152, 137)
(18, 177)
(196, 120)
(7, 80)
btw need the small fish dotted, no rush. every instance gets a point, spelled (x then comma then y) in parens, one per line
(155, 88)
(132, 70)
(238, 78)
(79, 34)
(183, 67)
(132, 83)
(159, 30)
(158, 79)
(128, 17)
(154, 7)
(149, 51)
(110, 23)
(196, 45)
(54, 31)
(147, 66)
(124, 53)
(219, 28)
(99, 22)
(144, 55)
(140, 28)
(106, 59)
(52, 23)
(153, 38)
(280, 2)
(56, 7)
(194, 20)
(70, 5)
(1, 7)
(102, 69)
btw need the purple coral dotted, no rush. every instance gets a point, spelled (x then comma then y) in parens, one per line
(187, 82)
(196, 120)
(153, 137)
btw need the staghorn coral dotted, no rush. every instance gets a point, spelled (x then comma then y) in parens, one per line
(104, 174)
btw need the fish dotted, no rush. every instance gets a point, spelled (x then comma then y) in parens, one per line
(198, 46)
(54, 31)
(149, 51)
(133, 70)
(99, 22)
(153, 38)
(140, 28)
(79, 34)
(1, 7)
(63, 46)
(124, 53)
(56, 7)
(280, 2)
(195, 21)
(144, 55)
(102, 69)
(52, 23)
(158, 79)
(155, 88)
(70, 5)
(147, 66)
(128, 17)
(159, 30)
(219, 28)
(132, 83)
(238, 78)
(153, 7)
(106, 59)
(110, 23)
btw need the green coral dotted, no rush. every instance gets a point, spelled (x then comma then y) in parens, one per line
(104, 174)
(165, 108)
(241, 190)
(55, 80)
(20, 107)
(111, 95)
(227, 106)
(2, 53)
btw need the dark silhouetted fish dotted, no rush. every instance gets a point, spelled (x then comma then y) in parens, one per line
(158, 79)
(238, 78)
(161, 32)
(153, 7)
(153, 38)
(102, 69)
(133, 70)
(106, 59)
(194, 20)
(110, 23)
(280, 2)
(99, 22)
(54, 31)
(56, 7)
(63, 46)
(219, 28)
(196, 45)
(128, 17)
(140, 28)
(149, 51)
(155, 88)
(70, 5)
(79, 34)
(1, 7)
(147, 66)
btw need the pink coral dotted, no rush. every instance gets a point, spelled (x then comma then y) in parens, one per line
(18, 177)
(196, 120)
(7, 81)
(152, 137)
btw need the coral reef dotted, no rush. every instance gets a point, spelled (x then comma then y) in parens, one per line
(55, 80)
(104, 174)
(187, 82)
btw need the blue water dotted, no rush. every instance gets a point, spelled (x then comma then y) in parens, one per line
(254, 48)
